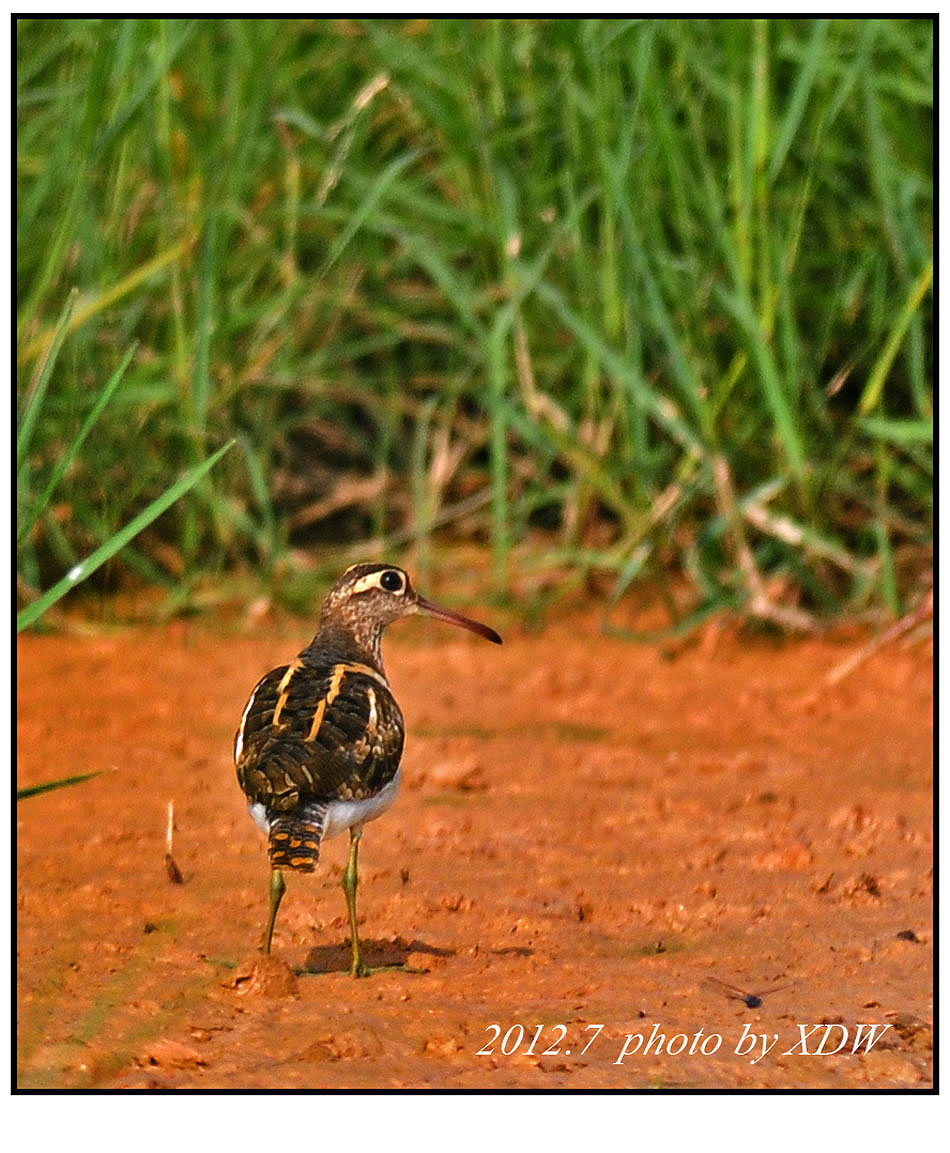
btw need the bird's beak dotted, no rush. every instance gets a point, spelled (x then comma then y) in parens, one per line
(454, 618)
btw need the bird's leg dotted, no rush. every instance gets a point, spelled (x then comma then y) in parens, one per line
(349, 882)
(277, 890)
(359, 968)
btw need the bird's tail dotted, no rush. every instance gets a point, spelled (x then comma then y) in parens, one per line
(294, 839)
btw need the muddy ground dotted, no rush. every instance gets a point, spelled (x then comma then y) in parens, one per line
(592, 833)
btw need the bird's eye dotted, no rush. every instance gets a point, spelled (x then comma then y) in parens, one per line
(392, 581)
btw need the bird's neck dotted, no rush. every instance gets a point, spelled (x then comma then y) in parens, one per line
(355, 641)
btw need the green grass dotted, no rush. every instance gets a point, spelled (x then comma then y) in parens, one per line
(32, 503)
(643, 298)
(50, 786)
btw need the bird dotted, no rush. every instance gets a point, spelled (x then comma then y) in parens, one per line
(320, 742)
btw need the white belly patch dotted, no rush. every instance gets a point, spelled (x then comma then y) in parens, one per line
(342, 815)
(345, 814)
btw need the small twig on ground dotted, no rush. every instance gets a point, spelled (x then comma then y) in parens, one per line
(907, 622)
(171, 867)
(760, 604)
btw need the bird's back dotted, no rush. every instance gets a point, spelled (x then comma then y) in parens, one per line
(323, 729)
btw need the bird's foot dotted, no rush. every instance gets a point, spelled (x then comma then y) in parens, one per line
(361, 969)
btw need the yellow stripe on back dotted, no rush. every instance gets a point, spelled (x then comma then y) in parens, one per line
(336, 682)
(356, 667)
(336, 679)
(283, 688)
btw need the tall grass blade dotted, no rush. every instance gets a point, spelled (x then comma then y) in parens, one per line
(95, 560)
(36, 393)
(882, 366)
(99, 302)
(36, 508)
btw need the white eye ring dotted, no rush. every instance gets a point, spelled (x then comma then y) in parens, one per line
(392, 581)
(374, 580)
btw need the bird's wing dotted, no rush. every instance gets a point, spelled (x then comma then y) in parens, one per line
(323, 732)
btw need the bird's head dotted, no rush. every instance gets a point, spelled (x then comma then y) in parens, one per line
(368, 597)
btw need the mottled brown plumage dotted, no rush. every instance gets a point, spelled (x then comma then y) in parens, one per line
(319, 730)
(320, 742)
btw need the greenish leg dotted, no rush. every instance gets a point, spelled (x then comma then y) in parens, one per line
(359, 968)
(277, 890)
(349, 882)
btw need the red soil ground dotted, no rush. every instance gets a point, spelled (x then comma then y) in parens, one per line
(591, 834)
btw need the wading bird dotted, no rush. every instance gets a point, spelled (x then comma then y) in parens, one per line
(320, 741)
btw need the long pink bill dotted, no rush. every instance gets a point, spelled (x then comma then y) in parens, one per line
(454, 618)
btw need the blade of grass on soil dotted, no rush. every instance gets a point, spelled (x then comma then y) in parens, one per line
(62, 783)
